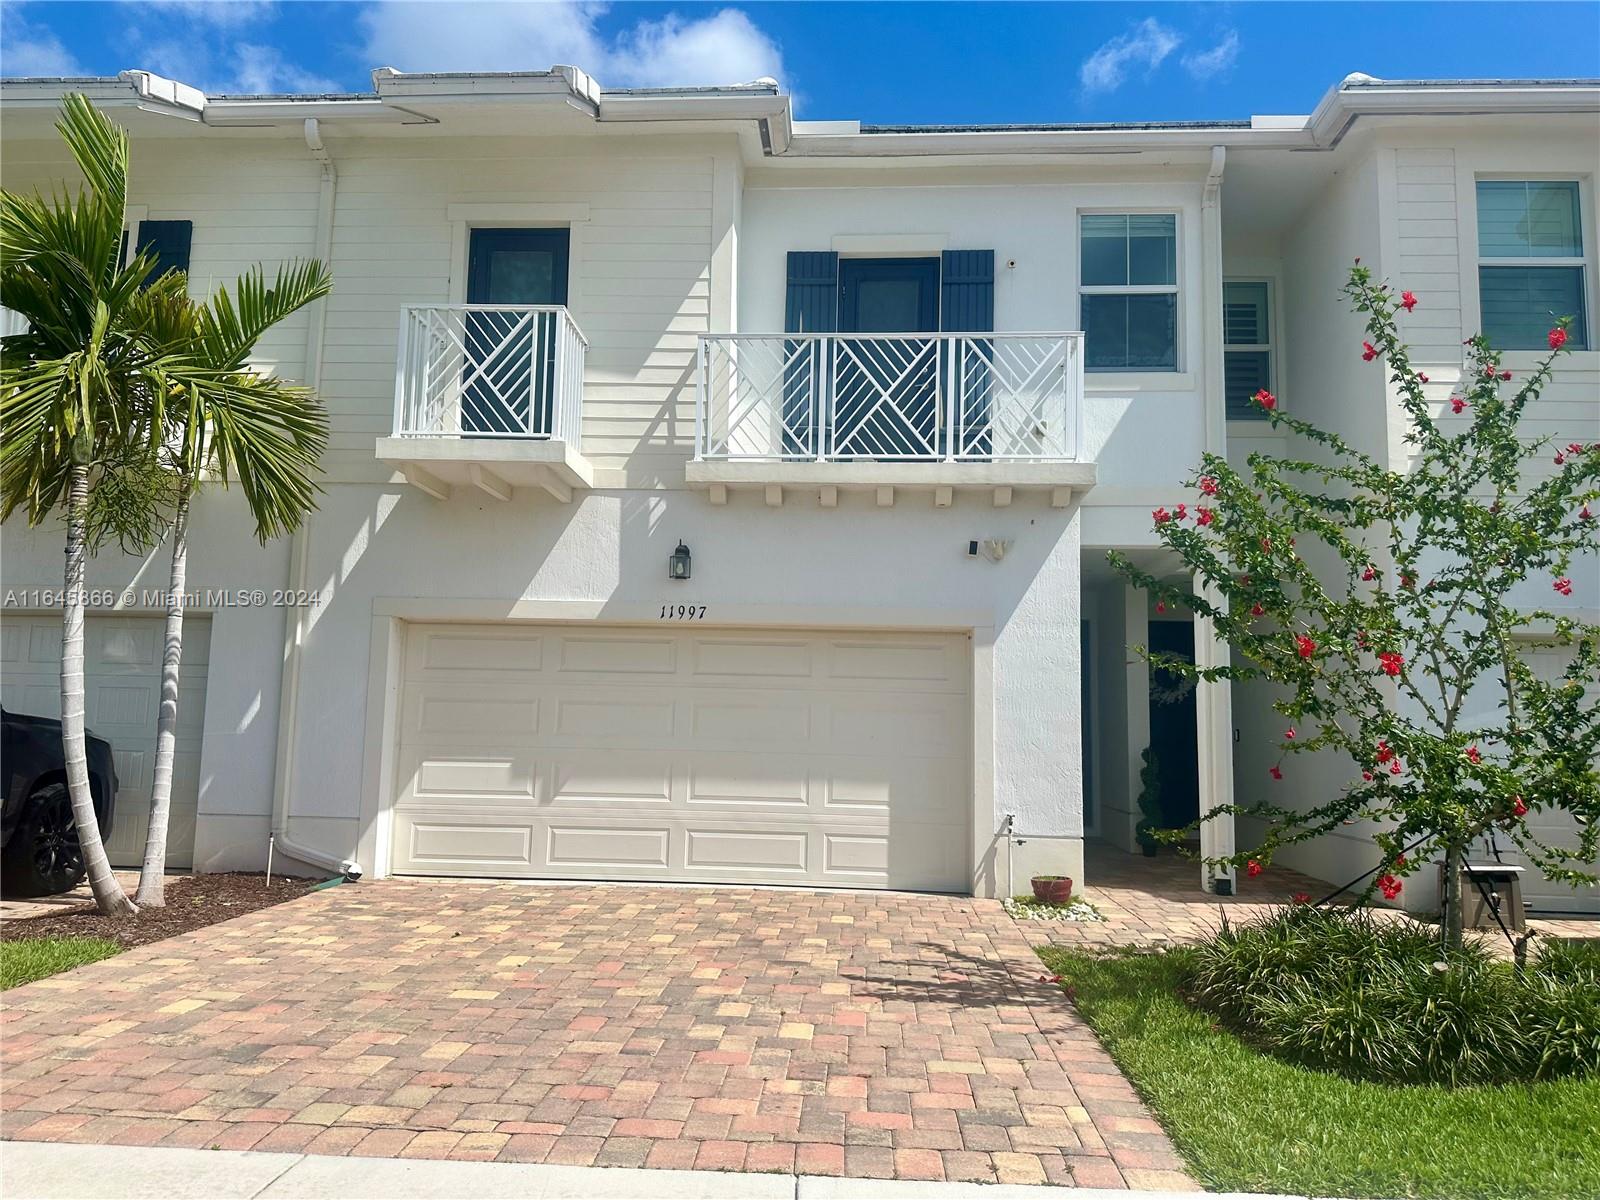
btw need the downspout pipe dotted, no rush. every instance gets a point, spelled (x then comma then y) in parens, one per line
(1214, 707)
(294, 625)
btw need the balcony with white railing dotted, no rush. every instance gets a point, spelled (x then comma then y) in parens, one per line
(940, 412)
(488, 396)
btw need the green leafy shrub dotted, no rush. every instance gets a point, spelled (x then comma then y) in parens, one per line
(1338, 990)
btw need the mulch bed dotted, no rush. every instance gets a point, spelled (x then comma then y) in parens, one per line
(193, 902)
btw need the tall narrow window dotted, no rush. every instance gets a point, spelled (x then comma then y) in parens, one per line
(1247, 346)
(1530, 262)
(1128, 291)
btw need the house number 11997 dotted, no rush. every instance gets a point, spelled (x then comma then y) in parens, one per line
(683, 612)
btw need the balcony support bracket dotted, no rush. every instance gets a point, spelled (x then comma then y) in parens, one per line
(487, 482)
(425, 481)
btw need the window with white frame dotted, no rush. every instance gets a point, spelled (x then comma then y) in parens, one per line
(1128, 290)
(1247, 357)
(1530, 261)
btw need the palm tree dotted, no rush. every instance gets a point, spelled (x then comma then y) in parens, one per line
(78, 389)
(228, 422)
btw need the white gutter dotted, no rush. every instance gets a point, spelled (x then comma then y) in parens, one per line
(1359, 95)
(294, 625)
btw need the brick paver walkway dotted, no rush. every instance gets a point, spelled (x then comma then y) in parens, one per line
(866, 1035)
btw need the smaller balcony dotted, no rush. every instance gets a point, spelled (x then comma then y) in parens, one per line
(490, 397)
(923, 412)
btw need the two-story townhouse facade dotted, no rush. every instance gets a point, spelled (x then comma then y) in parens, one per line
(713, 497)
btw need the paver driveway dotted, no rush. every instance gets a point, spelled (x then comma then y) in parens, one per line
(822, 1032)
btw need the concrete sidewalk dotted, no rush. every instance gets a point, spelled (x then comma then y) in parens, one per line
(48, 1171)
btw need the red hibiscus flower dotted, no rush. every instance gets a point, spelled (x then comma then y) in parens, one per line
(1422, 377)
(1563, 585)
(1584, 514)
(1473, 756)
(1301, 897)
(1384, 752)
(1395, 768)
(1366, 776)
(1368, 352)
(1389, 886)
(1161, 606)
(1558, 338)
(1407, 581)
(1369, 574)
(1560, 457)
(1391, 662)
(1182, 513)
(1506, 375)
(1305, 646)
(1266, 399)
(1252, 868)
(1289, 734)
(1458, 404)
(1202, 515)
(1266, 544)
(1408, 300)
(1399, 860)
(1208, 486)
(1256, 610)
(1161, 515)
(1275, 772)
(1518, 807)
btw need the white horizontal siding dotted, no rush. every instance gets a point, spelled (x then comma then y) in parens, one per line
(1427, 239)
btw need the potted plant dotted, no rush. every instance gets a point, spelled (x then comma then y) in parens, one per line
(1149, 803)
(1052, 889)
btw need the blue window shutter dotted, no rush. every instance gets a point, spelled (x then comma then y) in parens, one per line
(812, 302)
(169, 242)
(966, 285)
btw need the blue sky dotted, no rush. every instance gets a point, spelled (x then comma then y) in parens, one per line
(901, 62)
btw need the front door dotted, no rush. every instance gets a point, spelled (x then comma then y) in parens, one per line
(510, 357)
(886, 393)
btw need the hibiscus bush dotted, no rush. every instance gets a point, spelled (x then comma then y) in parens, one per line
(1337, 989)
(1387, 605)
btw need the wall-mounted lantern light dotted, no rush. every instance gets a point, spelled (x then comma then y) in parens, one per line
(678, 563)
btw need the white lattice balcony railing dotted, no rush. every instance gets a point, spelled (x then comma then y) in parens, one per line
(915, 397)
(489, 371)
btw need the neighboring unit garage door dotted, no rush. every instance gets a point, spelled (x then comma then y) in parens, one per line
(706, 755)
(1552, 828)
(122, 693)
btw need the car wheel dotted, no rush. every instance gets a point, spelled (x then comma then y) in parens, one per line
(43, 857)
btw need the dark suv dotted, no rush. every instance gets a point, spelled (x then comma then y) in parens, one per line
(39, 851)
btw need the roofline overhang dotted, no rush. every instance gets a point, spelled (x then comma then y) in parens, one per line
(420, 98)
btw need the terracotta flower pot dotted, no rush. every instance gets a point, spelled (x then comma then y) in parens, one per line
(1052, 889)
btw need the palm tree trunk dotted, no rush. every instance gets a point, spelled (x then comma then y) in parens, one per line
(108, 893)
(153, 872)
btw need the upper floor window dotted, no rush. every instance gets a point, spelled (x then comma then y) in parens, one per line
(1530, 261)
(1247, 346)
(1128, 291)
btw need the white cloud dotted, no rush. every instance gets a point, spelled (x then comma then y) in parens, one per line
(225, 14)
(28, 48)
(1219, 60)
(412, 35)
(1146, 45)
(261, 69)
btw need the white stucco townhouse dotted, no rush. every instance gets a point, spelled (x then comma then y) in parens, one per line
(720, 497)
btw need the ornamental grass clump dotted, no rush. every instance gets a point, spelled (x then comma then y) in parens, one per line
(1337, 990)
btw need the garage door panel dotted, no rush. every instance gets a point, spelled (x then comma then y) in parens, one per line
(726, 658)
(602, 847)
(509, 778)
(122, 698)
(774, 722)
(468, 652)
(699, 755)
(459, 714)
(610, 716)
(607, 778)
(749, 781)
(636, 655)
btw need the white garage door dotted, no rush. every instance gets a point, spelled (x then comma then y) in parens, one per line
(1539, 894)
(704, 755)
(122, 677)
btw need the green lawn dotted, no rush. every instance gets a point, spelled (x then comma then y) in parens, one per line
(25, 961)
(1248, 1122)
